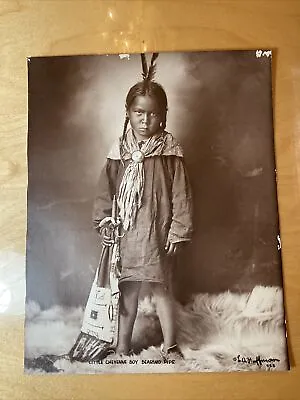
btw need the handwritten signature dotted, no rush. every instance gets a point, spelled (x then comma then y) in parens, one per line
(268, 362)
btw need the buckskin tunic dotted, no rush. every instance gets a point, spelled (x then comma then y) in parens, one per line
(166, 211)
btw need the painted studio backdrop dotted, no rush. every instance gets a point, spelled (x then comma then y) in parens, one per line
(220, 109)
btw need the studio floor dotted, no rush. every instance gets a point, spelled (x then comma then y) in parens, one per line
(225, 332)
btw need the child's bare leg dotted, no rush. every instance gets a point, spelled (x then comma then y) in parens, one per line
(128, 311)
(165, 311)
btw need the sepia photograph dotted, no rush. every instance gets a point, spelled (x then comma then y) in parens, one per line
(153, 239)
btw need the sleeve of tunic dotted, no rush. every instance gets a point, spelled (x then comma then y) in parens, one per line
(106, 190)
(181, 226)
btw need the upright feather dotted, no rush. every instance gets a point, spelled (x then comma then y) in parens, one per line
(152, 68)
(144, 66)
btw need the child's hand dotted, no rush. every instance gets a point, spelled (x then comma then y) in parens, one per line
(171, 248)
(108, 222)
(106, 227)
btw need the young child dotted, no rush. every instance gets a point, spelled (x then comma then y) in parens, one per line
(146, 171)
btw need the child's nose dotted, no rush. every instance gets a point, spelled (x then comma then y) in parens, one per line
(146, 118)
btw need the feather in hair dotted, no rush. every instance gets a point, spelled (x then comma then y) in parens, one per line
(152, 68)
(144, 66)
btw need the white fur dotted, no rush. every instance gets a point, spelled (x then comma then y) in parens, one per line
(212, 330)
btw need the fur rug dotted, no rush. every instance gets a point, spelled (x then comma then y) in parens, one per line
(224, 332)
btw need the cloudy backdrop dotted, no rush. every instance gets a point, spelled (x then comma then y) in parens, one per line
(220, 108)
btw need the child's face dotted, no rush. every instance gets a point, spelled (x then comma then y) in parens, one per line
(145, 117)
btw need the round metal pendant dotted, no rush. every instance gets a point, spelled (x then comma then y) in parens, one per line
(137, 156)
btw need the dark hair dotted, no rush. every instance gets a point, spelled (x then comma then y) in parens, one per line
(146, 88)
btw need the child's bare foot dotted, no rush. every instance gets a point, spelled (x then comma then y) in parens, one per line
(124, 352)
(171, 353)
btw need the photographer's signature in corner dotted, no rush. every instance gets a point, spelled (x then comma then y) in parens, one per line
(268, 362)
